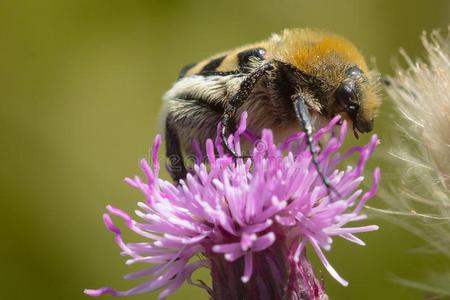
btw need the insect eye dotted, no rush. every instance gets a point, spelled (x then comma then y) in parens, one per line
(354, 72)
(346, 96)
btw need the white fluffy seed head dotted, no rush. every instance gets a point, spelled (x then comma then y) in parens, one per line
(421, 95)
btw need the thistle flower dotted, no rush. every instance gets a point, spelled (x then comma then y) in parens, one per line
(249, 221)
(421, 94)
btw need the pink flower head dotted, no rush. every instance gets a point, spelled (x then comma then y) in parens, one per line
(236, 209)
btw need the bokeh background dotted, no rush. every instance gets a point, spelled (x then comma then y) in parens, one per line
(80, 91)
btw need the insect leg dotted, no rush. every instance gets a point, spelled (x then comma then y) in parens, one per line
(301, 110)
(175, 165)
(238, 99)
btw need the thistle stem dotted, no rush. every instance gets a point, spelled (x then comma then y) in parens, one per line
(276, 276)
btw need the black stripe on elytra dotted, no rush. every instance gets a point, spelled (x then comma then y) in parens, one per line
(186, 69)
(244, 57)
(221, 73)
(212, 65)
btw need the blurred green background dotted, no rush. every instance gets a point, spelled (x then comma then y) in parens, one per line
(80, 90)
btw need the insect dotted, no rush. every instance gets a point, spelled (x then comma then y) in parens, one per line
(298, 78)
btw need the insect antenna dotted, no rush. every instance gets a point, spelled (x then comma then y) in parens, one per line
(302, 113)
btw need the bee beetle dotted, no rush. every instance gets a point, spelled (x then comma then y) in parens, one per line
(298, 79)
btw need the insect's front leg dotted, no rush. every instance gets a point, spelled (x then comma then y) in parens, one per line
(236, 101)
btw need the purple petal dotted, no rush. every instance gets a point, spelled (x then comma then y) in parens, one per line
(248, 269)
(326, 264)
(264, 242)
